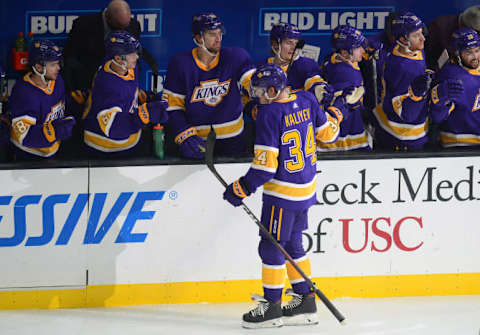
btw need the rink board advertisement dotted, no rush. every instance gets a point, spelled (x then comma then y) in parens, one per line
(163, 234)
(165, 25)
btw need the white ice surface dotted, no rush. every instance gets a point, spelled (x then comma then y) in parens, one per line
(446, 315)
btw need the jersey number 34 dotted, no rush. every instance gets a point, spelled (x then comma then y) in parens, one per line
(300, 151)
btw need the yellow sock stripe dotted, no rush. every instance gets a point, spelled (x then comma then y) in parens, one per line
(273, 276)
(304, 265)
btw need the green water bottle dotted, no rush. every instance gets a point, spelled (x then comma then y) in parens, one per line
(20, 43)
(158, 141)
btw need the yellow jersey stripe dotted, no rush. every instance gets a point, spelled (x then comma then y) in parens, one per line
(328, 132)
(401, 131)
(106, 117)
(313, 80)
(265, 158)
(348, 142)
(245, 79)
(106, 144)
(271, 219)
(279, 229)
(175, 101)
(452, 139)
(223, 130)
(42, 152)
(290, 191)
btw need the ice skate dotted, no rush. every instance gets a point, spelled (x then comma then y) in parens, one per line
(301, 310)
(266, 315)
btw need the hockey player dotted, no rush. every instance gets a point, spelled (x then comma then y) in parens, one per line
(37, 105)
(113, 119)
(456, 99)
(203, 88)
(303, 73)
(342, 72)
(285, 164)
(401, 118)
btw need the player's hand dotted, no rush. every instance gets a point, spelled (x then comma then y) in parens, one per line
(449, 90)
(324, 94)
(421, 84)
(63, 127)
(236, 192)
(353, 94)
(158, 111)
(193, 147)
(145, 96)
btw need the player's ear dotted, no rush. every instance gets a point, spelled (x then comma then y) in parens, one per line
(271, 92)
(344, 53)
(274, 44)
(403, 40)
(38, 67)
(198, 38)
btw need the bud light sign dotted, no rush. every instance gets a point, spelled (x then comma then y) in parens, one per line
(314, 21)
(56, 24)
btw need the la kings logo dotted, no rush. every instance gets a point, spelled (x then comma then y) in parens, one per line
(211, 92)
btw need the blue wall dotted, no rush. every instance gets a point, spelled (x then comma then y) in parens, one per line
(166, 24)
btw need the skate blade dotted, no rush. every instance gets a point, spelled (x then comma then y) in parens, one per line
(300, 320)
(274, 323)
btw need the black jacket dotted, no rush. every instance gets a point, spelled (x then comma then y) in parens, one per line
(84, 50)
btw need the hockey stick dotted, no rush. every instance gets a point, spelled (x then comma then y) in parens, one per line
(209, 161)
(300, 44)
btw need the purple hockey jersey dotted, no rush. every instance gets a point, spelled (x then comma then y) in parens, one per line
(33, 109)
(461, 120)
(285, 149)
(206, 96)
(353, 136)
(304, 74)
(111, 113)
(401, 118)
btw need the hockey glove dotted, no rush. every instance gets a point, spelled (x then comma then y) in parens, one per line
(236, 192)
(158, 111)
(448, 90)
(63, 127)
(80, 96)
(191, 145)
(154, 112)
(324, 94)
(146, 96)
(420, 85)
(353, 94)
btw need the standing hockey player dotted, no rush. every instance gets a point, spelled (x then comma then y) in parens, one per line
(456, 99)
(343, 73)
(401, 118)
(285, 164)
(113, 119)
(303, 73)
(203, 88)
(37, 105)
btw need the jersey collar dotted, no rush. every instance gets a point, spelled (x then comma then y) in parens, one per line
(47, 90)
(202, 65)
